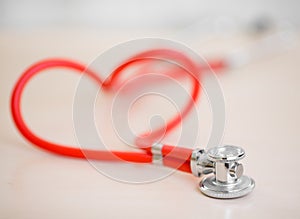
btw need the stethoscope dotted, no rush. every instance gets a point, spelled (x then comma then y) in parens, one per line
(221, 164)
(226, 179)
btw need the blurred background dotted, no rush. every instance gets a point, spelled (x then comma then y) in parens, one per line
(211, 16)
(107, 23)
(260, 38)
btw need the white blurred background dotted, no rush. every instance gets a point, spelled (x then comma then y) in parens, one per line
(208, 16)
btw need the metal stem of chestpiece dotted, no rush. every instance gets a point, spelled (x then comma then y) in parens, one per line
(228, 180)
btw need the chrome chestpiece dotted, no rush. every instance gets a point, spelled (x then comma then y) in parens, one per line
(227, 180)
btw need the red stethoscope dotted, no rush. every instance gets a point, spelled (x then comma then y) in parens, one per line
(226, 180)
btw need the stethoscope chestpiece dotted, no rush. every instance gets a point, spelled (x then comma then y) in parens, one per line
(228, 180)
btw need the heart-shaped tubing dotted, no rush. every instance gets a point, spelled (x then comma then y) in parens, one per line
(175, 157)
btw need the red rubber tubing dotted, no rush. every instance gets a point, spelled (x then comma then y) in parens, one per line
(174, 157)
(56, 148)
